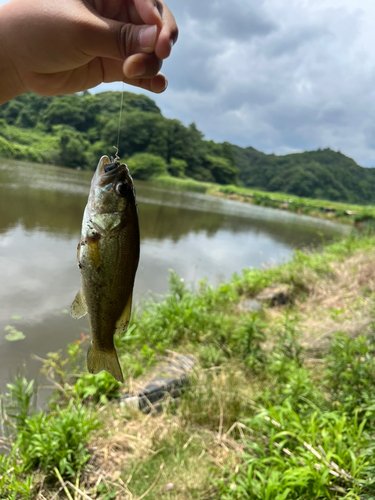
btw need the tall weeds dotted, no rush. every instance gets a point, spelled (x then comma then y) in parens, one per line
(260, 419)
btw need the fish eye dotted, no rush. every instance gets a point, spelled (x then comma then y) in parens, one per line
(122, 188)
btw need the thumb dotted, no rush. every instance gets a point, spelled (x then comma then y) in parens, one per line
(116, 40)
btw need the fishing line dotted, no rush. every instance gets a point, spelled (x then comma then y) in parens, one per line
(119, 123)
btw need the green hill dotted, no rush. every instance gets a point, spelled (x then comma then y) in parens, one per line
(75, 130)
(322, 174)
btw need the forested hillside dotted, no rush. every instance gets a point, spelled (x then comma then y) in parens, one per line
(76, 130)
(322, 174)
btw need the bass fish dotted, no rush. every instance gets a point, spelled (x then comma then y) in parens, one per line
(107, 255)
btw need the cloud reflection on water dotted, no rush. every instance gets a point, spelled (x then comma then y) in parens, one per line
(197, 236)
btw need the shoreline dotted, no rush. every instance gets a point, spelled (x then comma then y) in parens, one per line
(343, 213)
(284, 355)
(358, 216)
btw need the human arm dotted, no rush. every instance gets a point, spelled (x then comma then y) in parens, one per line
(55, 47)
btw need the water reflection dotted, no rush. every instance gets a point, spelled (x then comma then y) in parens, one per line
(197, 236)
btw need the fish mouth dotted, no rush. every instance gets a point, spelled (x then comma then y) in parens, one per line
(111, 166)
(111, 171)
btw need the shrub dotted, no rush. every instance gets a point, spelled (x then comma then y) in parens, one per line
(97, 388)
(57, 439)
(350, 376)
(143, 166)
(177, 167)
(45, 441)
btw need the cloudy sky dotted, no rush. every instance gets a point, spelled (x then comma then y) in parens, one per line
(279, 76)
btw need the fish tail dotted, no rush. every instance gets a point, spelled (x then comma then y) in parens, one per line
(98, 360)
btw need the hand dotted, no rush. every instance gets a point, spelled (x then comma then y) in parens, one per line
(55, 47)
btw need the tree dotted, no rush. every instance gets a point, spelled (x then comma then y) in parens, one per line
(65, 110)
(139, 132)
(177, 167)
(75, 111)
(144, 166)
(73, 147)
(12, 111)
(222, 171)
(177, 141)
(110, 103)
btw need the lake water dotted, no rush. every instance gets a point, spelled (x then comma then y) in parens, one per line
(197, 236)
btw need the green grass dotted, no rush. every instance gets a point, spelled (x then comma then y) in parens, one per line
(169, 182)
(324, 209)
(39, 442)
(260, 420)
(342, 212)
(309, 440)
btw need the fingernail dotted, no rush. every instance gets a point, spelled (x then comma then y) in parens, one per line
(156, 87)
(136, 69)
(147, 37)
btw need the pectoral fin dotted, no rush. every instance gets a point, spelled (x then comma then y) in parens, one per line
(78, 308)
(105, 223)
(123, 321)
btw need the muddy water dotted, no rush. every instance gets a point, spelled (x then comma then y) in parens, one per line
(198, 236)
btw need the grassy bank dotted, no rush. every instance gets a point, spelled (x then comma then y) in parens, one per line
(61, 146)
(280, 406)
(359, 215)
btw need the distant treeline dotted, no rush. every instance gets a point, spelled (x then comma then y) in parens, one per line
(75, 130)
(323, 174)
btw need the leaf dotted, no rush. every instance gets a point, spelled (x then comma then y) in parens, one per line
(89, 391)
(16, 317)
(13, 334)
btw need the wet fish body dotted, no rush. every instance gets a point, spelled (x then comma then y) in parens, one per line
(107, 255)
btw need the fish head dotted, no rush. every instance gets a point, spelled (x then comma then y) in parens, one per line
(112, 188)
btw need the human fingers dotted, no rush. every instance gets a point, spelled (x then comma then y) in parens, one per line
(148, 12)
(92, 74)
(151, 80)
(157, 84)
(142, 66)
(169, 31)
(113, 39)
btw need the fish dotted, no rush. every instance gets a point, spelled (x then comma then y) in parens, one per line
(107, 256)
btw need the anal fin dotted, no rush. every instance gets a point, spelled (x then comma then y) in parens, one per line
(123, 321)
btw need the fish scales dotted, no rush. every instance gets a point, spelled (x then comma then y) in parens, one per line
(105, 285)
(108, 255)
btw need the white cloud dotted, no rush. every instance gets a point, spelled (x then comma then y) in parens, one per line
(306, 81)
(278, 76)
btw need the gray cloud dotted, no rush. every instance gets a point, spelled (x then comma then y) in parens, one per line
(194, 72)
(236, 19)
(299, 86)
(279, 76)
